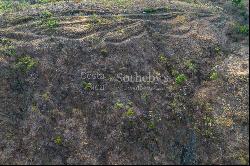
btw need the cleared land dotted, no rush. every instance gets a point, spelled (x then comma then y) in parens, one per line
(124, 82)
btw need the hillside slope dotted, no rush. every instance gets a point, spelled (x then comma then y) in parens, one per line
(124, 82)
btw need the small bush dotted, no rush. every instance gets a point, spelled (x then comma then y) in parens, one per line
(95, 19)
(237, 2)
(180, 79)
(149, 10)
(46, 14)
(87, 85)
(214, 75)
(119, 105)
(5, 6)
(190, 65)
(25, 64)
(162, 58)
(8, 50)
(104, 52)
(243, 29)
(151, 125)
(43, 1)
(130, 112)
(58, 140)
(52, 23)
(5, 41)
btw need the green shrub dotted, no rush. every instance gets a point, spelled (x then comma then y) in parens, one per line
(95, 19)
(44, 1)
(46, 14)
(7, 50)
(51, 23)
(190, 65)
(10, 51)
(180, 79)
(214, 75)
(6, 6)
(149, 10)
(10, 5)
(217, 49)
(130, 112)
(58, 140)
(5, 41)
(151, 125)
(25, 64)
(162, 58)
(104, 52)
(87, 85)
(119, 105)
(237, 2)
(243, 29)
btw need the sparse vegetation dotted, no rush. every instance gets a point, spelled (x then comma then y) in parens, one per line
(175, 75)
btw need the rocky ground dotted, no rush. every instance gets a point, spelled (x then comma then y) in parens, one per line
(124, 82)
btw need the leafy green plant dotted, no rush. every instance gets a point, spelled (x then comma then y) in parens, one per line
(87, 85)
(5, 6)
(130, 112)
(217, 49)
(174, 72)
(46, 14)
(149, 10)
(214, 75)
(119, 105)
(10, 5)
(25, 64)
(162, 58)
(151, 125)
(5, 41)
(46, 96)
(43, 1)
(237, 2)
(8, 50)
(51, 23)
(190, 65)
(242, 29)
(95, 18)
(58, 140)
(104, 52)
(180, 79)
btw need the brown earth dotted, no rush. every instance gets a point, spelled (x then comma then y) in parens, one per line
(50, 113)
